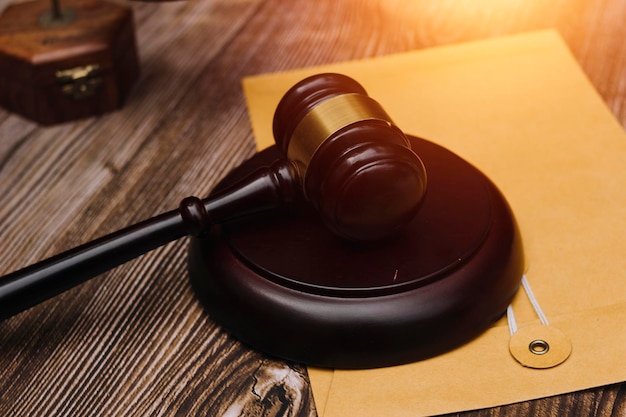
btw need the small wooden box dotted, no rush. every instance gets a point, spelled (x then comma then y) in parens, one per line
(53, 71)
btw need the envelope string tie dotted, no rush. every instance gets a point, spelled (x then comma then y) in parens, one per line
(510, 315)
(538, 346)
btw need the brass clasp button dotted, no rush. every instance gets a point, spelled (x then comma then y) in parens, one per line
(79, 82)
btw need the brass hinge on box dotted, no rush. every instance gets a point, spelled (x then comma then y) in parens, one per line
(79, 82)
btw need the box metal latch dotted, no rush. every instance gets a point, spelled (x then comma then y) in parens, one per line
(79, 82)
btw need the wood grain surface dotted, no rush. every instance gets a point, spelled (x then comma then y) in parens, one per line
(134, 341)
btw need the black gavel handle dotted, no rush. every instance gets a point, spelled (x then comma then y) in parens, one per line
(265, 190)
(27, 287)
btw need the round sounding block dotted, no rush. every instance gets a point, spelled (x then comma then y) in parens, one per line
(287, 286)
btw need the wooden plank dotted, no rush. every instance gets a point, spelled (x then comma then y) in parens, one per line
(70, 183)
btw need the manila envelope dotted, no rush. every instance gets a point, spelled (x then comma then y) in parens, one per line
(521, 110)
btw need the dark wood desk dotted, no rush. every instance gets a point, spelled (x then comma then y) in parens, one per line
(134, 341)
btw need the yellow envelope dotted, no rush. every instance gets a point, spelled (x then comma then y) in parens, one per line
(520, 109)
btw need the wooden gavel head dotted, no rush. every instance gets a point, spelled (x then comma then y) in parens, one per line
(355, 166)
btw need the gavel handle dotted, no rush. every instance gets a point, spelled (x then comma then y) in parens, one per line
(36, 283)
(265, 190)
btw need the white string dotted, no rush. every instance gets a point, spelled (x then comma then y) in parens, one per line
(510, 315)
(533, 301)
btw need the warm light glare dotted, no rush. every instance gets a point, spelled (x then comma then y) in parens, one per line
(444, 21)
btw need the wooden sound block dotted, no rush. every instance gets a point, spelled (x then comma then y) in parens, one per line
(285, 285)
(81, 64)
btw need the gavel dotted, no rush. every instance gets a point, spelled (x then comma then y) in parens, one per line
(342, 154)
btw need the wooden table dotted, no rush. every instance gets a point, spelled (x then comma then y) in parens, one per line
(134, 341)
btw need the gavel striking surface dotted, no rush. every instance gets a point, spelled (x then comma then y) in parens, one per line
(286, 285)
